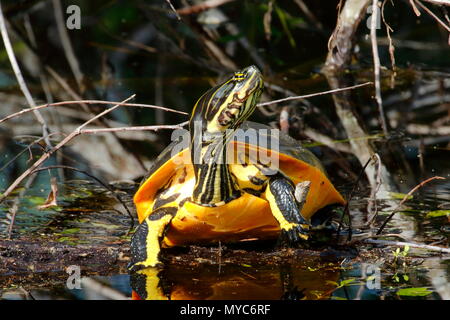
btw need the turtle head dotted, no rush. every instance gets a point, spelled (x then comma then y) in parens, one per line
(215, 117)
(228, 104)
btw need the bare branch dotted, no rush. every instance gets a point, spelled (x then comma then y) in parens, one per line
(67, 45)
(202, 6)
(376, 65)
(90, 102)
(410, 244)
(442, 23)
(19, 76)
(313, 94)
(173, 9)
(439, 2)
(106, 186)
(138, 128)
(406, 197)
(47, 155)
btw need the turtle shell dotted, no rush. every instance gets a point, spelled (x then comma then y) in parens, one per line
(295, 162)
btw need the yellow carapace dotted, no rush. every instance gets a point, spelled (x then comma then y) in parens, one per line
(233, 180)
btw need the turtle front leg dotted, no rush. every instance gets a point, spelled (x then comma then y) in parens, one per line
(145, 243)
(281, 195)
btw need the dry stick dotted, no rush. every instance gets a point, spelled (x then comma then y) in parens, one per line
(304, 8)
(19, 76)
(391, 46)
(314, 94)
(325, 140)
(15, 204)
(433, 15)
(173, 110)
(130, 42)
(65, 86)
(45, 156)
(439, 2)
(387, 235)
(138, 128)
(202, 6)
(97, 287)
(28, 147)
(115, 195)
(67, 45)
(90, 102)
(267, 20)
(406, 198)
(376, 65)
(413, 5)
(349, 198)
(173, 9)
(374, 191)
(85, 107)
(42, 76)
(411, 244)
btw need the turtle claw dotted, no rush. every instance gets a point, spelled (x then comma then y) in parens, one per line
(295, 235)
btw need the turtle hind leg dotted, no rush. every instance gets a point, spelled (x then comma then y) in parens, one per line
(145, 243)
(280, 193)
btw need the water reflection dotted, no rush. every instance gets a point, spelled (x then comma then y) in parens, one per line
(232, 283)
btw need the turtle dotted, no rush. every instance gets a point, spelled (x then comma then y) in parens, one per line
(212, 184)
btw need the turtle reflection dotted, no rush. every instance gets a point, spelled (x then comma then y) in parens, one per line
(204, 282)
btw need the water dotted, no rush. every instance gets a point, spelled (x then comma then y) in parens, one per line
(90, 219)
(174, 70)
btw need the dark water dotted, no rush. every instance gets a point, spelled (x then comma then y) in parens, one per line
(174, 70)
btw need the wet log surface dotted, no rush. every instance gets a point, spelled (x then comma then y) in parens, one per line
(22, 256)
(29, 261)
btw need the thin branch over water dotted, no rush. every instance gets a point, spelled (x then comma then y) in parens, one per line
(314, 94)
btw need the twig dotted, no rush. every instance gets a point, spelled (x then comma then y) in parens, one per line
(284, 120)
(349, 198)
(410, 244)
(413, 5)
(391, 45)
(90, 102)
(115, 195)
(89, 110)
(304, 8)
(376, 65)
(314, 94)
(442, 23)
(138, 128)
(99, 288)
(42, 76)
(132, 43)
(173, 9)
(388, 235)
(339, 58)
(374, 191)
(406, 198)
(439, 2)
(15, 205)
(67, 45)
(27, 293)
(325, 140)
(19, 77)
(267, 20)
(202, 6)
(45, 156)
(28, 147)
(440, 130)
